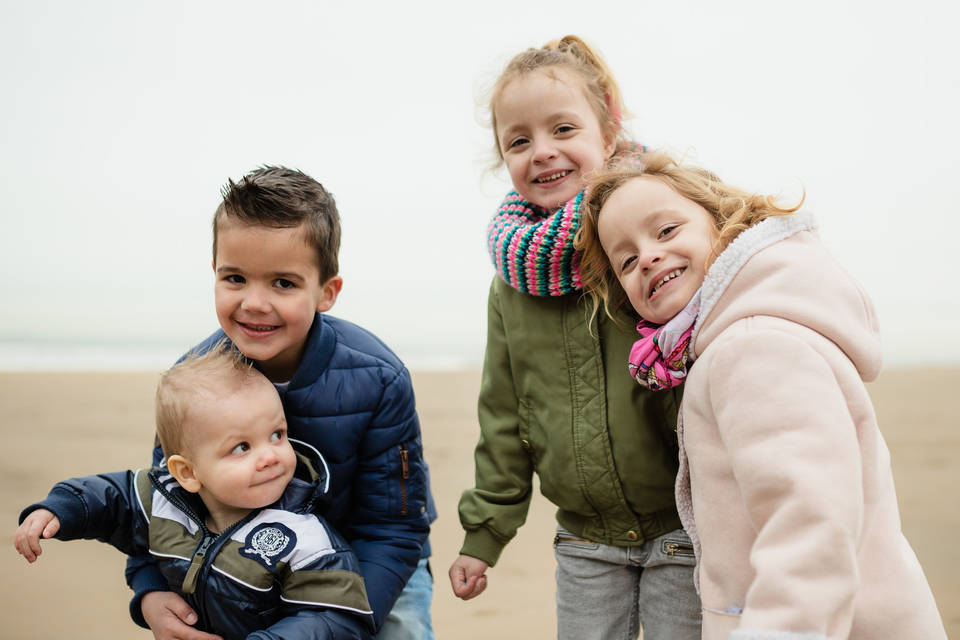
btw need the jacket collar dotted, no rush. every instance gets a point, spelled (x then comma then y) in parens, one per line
(317, 353)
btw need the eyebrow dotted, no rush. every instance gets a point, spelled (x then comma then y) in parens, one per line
(286, 275)
(557, 116)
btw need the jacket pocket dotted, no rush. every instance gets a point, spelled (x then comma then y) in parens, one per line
(408, 482)
(565, 539)
(525, 417)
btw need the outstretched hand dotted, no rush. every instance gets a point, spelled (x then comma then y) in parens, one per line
(468, 577)
(39, 524)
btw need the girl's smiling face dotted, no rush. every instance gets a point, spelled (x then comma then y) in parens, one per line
(549, 136)
(658, 243)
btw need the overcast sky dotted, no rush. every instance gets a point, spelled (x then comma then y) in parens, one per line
(121, 120)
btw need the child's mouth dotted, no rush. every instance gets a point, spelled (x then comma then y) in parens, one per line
(553, 177)
(665, 279)
(258, 328)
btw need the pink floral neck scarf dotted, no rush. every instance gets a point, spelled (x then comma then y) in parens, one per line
(659, 359)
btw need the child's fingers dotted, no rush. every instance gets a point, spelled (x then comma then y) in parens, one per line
(51, 529)
(478, 587)
(26, 543)
(27, 538)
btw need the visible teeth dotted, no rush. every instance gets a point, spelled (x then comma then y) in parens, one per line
(552, 176)
(670, 276)
(260, 327)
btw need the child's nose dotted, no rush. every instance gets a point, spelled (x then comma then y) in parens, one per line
(649, 260)
(544, 150)
(256, 300)
(268, 457)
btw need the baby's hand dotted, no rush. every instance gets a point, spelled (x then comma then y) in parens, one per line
(39, 524)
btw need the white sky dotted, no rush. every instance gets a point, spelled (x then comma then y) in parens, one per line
(120, 121)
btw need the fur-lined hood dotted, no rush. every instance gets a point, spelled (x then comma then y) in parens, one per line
(759, 274)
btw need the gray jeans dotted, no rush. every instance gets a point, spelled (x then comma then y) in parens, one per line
(609, 593)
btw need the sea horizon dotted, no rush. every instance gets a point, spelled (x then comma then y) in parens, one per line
(61, 355)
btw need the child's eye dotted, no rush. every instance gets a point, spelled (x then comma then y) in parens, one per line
(277, 435)
(282, 283)
(565, 128)
(628, 262)
(517, 142)
(243, 447)
(233, 278)
(666, 231)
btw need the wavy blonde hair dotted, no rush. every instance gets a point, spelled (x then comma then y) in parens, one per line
(572, 53)
(731, 208)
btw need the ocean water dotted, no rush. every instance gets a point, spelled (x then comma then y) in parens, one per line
(91, 356)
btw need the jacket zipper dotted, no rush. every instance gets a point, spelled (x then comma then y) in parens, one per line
(404, 475)
(557, 539)
(194, 578)
(678, 549)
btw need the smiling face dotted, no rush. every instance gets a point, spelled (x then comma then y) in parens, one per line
(658, 243)
(549, 136)
(267, 291)
(237, 447)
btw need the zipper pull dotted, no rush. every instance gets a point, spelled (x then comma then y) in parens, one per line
(404, 462)
(190, 580)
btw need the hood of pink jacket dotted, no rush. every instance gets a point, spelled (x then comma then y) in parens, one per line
(780, 268)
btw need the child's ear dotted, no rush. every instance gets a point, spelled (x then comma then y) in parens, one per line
(329, 292)
(182, 469)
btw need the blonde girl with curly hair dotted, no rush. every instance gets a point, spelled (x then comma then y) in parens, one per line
(785, 485)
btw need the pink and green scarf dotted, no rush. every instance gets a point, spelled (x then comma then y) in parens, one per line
(532, 248)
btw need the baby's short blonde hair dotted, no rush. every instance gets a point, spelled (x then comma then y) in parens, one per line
(220, 371)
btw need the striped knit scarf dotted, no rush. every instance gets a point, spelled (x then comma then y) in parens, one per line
(532, 248)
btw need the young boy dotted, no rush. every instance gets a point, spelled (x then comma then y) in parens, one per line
(276, 236)
(229, 516)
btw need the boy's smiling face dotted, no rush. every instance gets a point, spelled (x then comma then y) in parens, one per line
(267, 291)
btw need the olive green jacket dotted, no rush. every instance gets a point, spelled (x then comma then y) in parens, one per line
(556, 399)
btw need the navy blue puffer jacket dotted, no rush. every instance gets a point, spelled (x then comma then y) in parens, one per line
(279, 573)
(352, 399)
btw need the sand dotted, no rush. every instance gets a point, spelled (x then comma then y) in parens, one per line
(62, 425)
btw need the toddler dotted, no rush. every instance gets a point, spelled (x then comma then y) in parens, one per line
(228, 518)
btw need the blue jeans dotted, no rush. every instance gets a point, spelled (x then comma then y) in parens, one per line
(609, 593)
(410, 617)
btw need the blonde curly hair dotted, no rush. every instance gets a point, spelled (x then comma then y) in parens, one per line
(731, 208)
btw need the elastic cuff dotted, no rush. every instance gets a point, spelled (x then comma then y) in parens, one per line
(142, 583)
(484, 545)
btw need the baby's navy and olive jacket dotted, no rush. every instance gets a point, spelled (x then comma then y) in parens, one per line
(280, 572)
(352, 399)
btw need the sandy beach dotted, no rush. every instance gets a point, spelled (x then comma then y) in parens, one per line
(62, 425)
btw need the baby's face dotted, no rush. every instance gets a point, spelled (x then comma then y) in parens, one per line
(549, 136)
(238, 444)
(658, 243)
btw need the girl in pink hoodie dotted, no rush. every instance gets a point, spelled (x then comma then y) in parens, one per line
(785, 485)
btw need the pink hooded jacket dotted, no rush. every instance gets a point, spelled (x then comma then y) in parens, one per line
(785, 483)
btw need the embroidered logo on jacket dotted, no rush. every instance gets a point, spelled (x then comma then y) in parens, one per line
(269, 542)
